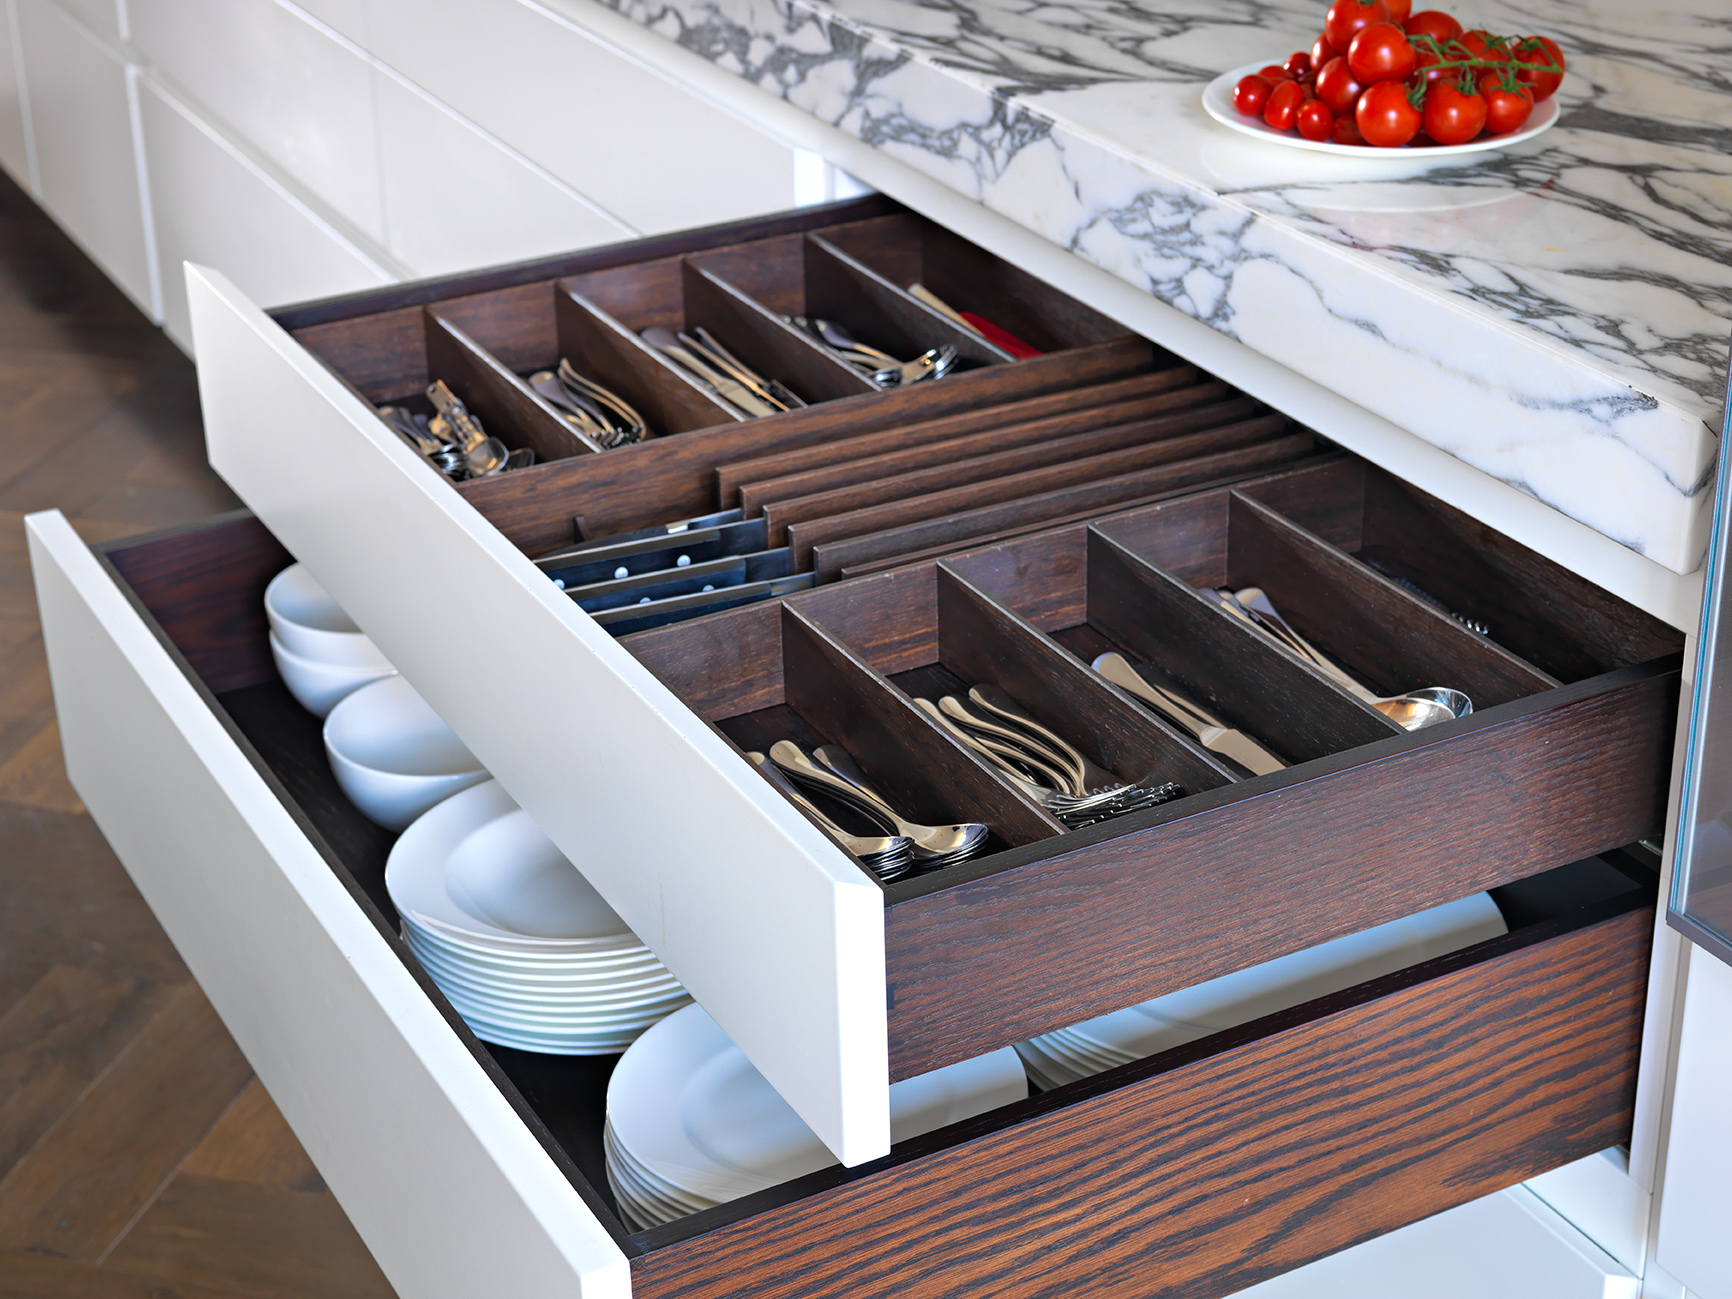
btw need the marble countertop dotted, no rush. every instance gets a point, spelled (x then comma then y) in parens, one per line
(1556, 314)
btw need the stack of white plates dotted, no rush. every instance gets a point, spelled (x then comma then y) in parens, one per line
(691, 1124)
(1096, 1045)
(521, 945)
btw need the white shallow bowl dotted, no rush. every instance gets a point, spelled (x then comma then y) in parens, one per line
(312, 625)
(692, 1112)
(392, 755)
(320, 687)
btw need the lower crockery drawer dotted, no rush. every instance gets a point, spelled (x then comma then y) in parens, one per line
(470, 1169)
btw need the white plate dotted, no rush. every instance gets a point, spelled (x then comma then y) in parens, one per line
(609, 964)
(691, 1108)
(649, 978)
(548, 1045)
(1218, 104)
(556, 1023)
(480, 871)
(643, 1181)
(542, 1001)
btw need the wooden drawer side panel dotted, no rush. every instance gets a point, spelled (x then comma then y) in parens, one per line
(1212, 1175)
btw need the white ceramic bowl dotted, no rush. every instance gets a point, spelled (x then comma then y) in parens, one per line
(318, 687)
(392, 755)
(312, 625)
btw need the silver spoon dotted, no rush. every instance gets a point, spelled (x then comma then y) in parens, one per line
(883, 855)
(933, 844)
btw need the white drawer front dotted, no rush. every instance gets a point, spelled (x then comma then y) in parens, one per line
(442, 1179)
(773, 929)
(298, 95)
(213, 205)
(536, 81)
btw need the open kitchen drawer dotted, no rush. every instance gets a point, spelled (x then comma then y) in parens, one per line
(627, 752)
(470, 1169)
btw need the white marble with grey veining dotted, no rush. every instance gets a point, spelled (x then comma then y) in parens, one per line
(1556, 314)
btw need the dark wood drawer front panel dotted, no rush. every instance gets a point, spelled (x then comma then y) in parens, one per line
(1218, 1165)
(1256, 872)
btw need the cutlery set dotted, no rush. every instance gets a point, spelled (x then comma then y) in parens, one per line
(730, 378)
(589, 407)
(453, 439)
(880, 367)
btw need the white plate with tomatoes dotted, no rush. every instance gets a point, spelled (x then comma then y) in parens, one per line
(1218, 103)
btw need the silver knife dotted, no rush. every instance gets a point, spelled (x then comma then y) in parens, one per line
(1214, 736)
(730, 389)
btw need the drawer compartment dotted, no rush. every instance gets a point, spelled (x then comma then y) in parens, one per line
(1193, 1172)
(1001, 555)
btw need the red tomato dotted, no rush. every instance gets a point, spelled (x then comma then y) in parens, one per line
(1543, 51)
(1346, 132)
(1381, 52)
(1321, 52)
(1385, 116)
(1482, 44)
(1398, 10)
(1274, 72)
(1298, 64)
(1337, 88)
(1251, 94)
(1428, 62)
(1346, 18)
(1432, 22)
(1507, 107)
(1283, 105)
(1452, 115)
(1314, 120)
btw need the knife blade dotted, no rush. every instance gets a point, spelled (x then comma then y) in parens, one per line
(1224, 740)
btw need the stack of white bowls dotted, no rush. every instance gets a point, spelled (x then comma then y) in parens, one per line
(691, 1124)
(519, 942)
(1096, 1045)
(319, 652)
(392, 755)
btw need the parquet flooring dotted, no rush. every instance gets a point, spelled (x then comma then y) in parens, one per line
(139, 1157)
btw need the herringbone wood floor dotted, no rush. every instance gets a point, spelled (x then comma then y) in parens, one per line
(139, 1157)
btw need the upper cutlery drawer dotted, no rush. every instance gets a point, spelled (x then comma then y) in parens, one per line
(1005, 525)
(1458, 1069)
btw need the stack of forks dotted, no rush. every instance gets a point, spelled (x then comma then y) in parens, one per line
(1039, 762)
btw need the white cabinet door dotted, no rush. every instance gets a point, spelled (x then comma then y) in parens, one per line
(14, 122)
(1695, 1238)
(644, 148)
(446, 1185)
(82, 116)
(455, 198)
(293, 90)
(213, 205)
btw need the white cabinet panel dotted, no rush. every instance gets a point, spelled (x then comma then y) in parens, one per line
(106, 16)
(82, 118)
(346, 17)
(1695, 1238)
(14, 124)
(653, 154)
(294, 91)
(456, 199)
(213, 205)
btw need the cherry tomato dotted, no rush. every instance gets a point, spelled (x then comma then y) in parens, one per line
(1398, 10)
(1347, 132)
(1541, 50)
(1337, 88)
(1321, 52)
(1297, 64)
(1251, 94)
(1314, 120)
(1274, 72)
(1428, 62)
(1432, 22)
(1346, 17)
(1283, 105)
(1453, 115)
(1482, 44)
(1385, 116)
(1507, 107)
(1381, 52)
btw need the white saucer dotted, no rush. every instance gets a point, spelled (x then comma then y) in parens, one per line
(1218, 103)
